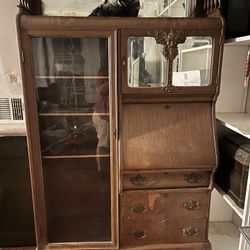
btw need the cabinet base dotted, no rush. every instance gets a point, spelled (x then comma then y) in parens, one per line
(189, 246)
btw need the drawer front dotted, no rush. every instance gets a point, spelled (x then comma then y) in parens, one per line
(165, 179)
(157, 205)
(167, 231)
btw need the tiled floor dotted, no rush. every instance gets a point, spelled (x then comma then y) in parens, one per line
(224, 236)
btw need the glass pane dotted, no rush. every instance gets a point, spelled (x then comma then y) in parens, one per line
(68, 135)
(77, 197)
(72, 80)
(67, 73)
(147, 67)
(192, 67)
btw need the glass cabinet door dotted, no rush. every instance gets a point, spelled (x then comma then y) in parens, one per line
(72, 79)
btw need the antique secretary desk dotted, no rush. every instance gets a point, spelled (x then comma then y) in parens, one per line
(121, 129)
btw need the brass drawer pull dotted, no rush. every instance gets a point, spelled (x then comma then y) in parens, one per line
(191, 205)
(190, 231)
(139, 208)
(193, 178)
(139, 235)
(139, 180)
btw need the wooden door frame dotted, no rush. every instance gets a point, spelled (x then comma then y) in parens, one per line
(33, 135)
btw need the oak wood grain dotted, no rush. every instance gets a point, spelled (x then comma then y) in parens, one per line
(162, 136)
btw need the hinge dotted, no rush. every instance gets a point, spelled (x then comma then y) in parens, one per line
(115, 132)
(22, 56)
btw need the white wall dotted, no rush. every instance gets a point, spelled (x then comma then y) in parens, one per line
(10, 74)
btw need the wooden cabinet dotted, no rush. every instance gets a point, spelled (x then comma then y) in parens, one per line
(122, 150)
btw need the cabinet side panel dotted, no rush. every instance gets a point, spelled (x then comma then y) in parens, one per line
(158, 136)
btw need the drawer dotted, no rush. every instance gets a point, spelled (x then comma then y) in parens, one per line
(157, 205)
(167, 231)
(165, 179)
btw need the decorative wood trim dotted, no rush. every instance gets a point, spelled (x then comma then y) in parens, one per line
(170, 40)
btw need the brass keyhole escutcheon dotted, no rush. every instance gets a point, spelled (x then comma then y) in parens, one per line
(167, 106)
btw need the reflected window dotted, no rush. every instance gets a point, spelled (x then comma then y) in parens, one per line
(147, 66)
(192, 66)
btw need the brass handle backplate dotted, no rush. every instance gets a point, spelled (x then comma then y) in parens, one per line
(191, 205)
(139, 208)
(139, 180)
(139, 235)
(193, 178)
(190, 231)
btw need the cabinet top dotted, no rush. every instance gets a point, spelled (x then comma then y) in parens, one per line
(75, 23)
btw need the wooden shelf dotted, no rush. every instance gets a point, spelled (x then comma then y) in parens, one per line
(73, 77)
(238, 122)
(238, 41)
(230, 202)
(75, 156)
(72, 114)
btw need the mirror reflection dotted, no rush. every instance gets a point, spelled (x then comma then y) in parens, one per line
(192, 67)
(147, 67)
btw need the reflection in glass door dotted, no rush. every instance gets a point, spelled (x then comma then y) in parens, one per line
(147, 67)
(72, 82)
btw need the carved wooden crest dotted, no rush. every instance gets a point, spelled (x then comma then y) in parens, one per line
(170, 40)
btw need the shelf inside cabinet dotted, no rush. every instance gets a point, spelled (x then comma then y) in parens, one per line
(238, 122)
(73, 114)
(230, 202)
(74, 156)
(238, 41)
(74, 77)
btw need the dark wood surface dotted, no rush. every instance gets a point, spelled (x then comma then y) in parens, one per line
(16, 213)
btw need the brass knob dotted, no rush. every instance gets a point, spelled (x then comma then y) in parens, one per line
(139, 235)
(193, 178)
(139, 208)
(191, 205)
(139, 180)
(190, 231)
